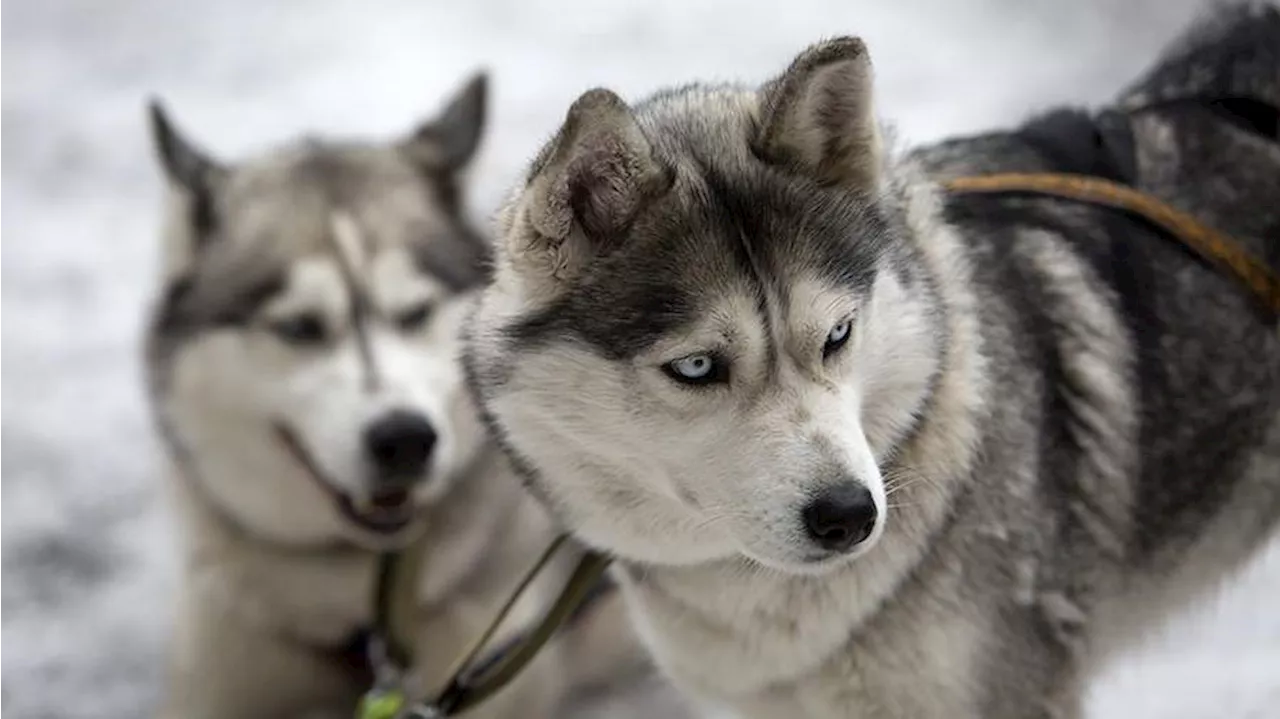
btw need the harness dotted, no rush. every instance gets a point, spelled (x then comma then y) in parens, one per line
(1211, 245)
(1101, 181)
(474, 678)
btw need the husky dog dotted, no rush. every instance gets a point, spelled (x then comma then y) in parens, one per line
(865, 449)
(302, 363)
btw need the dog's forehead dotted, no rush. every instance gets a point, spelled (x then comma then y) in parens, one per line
(288, 198)
(285, 206)
(719, 235)
(786, 223)
(289, 206)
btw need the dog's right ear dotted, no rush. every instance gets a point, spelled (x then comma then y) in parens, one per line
(448, 142)
(190, 171)
(818, 118)
(584, 189)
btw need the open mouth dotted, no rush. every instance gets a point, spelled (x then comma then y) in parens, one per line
(382, 512)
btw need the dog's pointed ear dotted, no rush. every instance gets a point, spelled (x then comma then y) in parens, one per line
(583, 192)
(447, 142)
(817, 118)
(194, 178)
(185, 165)
(596, 174)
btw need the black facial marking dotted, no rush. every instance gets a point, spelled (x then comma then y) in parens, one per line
(618, 319)
(303, 330)
(360, 313)
(753, 227)
(361, 310)
(732, 210)
(242, 307)
(183, 312)
(413, 318)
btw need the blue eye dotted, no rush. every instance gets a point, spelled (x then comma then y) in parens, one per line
(836, 338)
(701, 368)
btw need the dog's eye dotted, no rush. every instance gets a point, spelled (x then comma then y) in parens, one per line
(414, 318)
(698, 368)
(303, 329)
(836, 338)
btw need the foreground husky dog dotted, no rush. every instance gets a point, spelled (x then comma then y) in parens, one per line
(303, 368)
(863, 449)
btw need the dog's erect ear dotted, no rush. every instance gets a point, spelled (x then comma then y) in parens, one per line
(584, 190)
(185, 164)
(817, 117)
(195, 176)
(449, 141)
(595, 175)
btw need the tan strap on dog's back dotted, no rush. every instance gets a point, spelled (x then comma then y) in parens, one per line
(1215, 247)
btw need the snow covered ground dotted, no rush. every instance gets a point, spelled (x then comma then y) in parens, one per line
(86, 546)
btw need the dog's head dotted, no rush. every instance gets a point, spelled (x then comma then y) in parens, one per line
(704, 333)
(303, 355)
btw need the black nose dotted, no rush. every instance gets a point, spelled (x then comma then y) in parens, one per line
(840, 517)
(400, 443)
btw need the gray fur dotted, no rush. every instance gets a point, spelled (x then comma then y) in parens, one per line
(1082, 435)
(308, 294)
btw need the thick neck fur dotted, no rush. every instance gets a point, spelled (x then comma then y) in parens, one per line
(321, 596)
(754, 637)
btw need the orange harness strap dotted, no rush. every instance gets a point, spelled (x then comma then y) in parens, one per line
(1210, 244)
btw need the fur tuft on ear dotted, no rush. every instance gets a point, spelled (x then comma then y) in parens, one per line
(584, 190)
(448, 142)
(596, 174)
(817, 118)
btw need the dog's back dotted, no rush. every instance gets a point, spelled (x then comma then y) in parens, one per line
(1133, 335)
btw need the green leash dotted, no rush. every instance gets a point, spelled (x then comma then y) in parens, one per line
(470, 682)
(390, 645)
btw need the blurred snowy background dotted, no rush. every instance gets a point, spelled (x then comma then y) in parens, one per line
(87, 549)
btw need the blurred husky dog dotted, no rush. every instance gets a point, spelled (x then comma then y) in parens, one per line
(866, 449)
(303, 369)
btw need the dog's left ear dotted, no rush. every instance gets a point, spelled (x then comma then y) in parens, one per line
(194, 178)
(449, 141)
(817, 117)
(184, 163)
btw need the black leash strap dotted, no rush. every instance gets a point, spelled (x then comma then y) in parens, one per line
(472, 684)
(472, 680)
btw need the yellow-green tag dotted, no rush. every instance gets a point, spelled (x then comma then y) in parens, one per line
(381, 704)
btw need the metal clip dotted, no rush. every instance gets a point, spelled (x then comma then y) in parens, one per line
(386, 700)
(379, 703)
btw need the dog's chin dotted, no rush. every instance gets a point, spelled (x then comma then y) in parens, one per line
(815, 564)
(381, 537)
